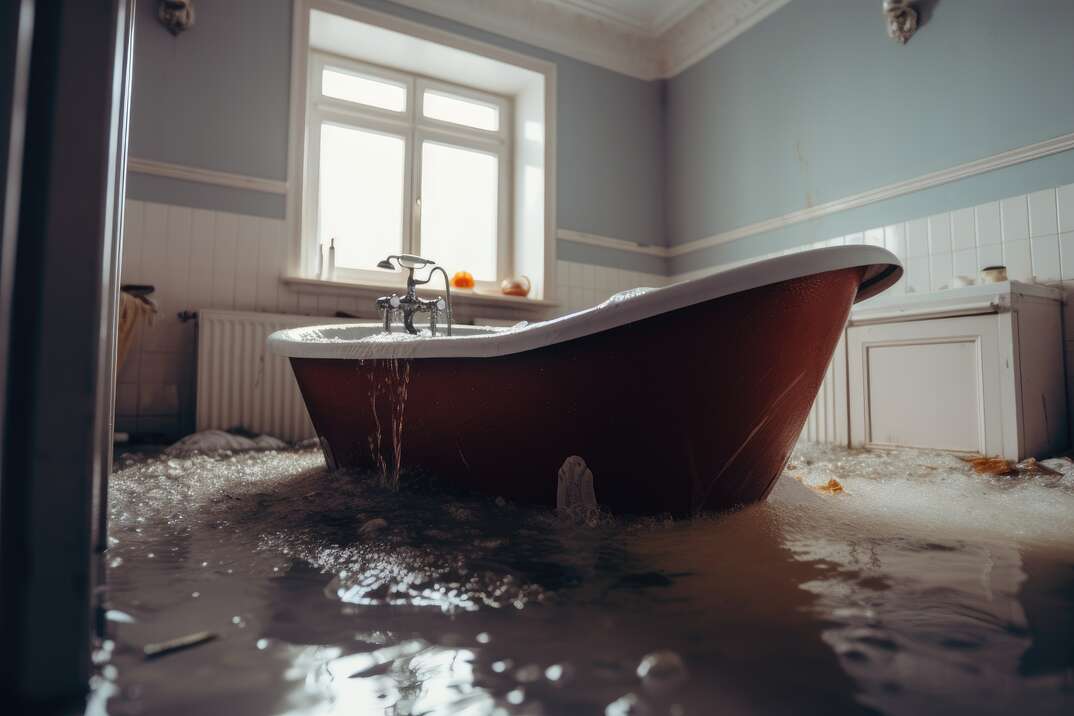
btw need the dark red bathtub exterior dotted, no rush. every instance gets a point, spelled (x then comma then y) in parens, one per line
(696, 409)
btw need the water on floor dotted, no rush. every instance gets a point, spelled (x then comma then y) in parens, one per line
(920, 588)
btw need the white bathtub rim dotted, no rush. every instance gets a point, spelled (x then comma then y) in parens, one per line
(313, 341)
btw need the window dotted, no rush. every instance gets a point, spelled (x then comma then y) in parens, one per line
(401, 163)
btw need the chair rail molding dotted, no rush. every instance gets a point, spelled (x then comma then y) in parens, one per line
(1018, 155)
(199, 175)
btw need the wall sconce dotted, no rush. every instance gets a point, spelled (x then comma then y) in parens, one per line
(901, 19)
(176, 15)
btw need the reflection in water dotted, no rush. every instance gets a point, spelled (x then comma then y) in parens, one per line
(922, 588)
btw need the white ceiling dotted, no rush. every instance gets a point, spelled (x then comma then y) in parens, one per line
(651, 17)
(648, 39)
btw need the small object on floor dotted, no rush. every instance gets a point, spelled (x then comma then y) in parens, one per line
(179, 643)
(574, 488)
(990, 465)
(374, 525)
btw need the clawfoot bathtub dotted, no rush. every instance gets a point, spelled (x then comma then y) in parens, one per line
(679, 399)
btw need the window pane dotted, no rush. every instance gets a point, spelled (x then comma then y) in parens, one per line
(363, 89)
(458, 110)
(361, 194)
(459, 197)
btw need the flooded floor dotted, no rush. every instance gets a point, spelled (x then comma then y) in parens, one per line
(922, 588)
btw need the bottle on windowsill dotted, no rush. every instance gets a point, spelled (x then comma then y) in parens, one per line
(332, 260)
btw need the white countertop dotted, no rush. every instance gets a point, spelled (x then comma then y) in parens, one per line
(967, 300)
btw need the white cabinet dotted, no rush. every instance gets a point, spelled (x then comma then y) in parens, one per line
(978, 370)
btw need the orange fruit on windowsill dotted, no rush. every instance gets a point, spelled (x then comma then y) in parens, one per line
(462, 279)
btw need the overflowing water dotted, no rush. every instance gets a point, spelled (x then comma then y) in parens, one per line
(921, 587)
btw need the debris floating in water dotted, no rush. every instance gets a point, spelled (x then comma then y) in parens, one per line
(990, 465)
(1032, 466)
(831, 487)
(372, 526)
(210, 441)
(628, 705)
(559, 674)
(662, 671)
(179, 643)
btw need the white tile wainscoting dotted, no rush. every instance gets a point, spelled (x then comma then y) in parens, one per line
(1031, 234)
(197, 259)
(583, 285)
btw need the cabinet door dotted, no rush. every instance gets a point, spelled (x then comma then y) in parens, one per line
(927, 384)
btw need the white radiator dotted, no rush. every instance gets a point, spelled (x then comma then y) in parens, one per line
(241, 384)
(828, 418)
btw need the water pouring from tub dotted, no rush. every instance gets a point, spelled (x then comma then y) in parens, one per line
(397, 378)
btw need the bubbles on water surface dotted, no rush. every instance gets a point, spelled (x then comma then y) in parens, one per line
(920, 571)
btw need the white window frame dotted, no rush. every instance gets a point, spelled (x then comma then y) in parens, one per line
(534, 93)
(414, 129)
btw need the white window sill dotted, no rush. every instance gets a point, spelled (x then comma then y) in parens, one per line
(460, 297)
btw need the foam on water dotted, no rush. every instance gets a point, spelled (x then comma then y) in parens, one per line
(923, 588)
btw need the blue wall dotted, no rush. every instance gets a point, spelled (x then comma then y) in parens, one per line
(217, 97)
(815, 103)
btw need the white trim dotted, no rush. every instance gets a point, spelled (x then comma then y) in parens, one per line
(671, 15)
(569, 31)
(710, 27)
(680, 35)
(597, 10)
(666, 16)
(1008, 158)
(607, 242)
(205, 176)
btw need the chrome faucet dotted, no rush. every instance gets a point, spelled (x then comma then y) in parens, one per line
(409, 304)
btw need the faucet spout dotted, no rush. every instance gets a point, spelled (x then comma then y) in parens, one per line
(447, 290)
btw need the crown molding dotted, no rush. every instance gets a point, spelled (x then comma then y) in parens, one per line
(557, 27)
(672, 15)
(709, 28)
(680, 35)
